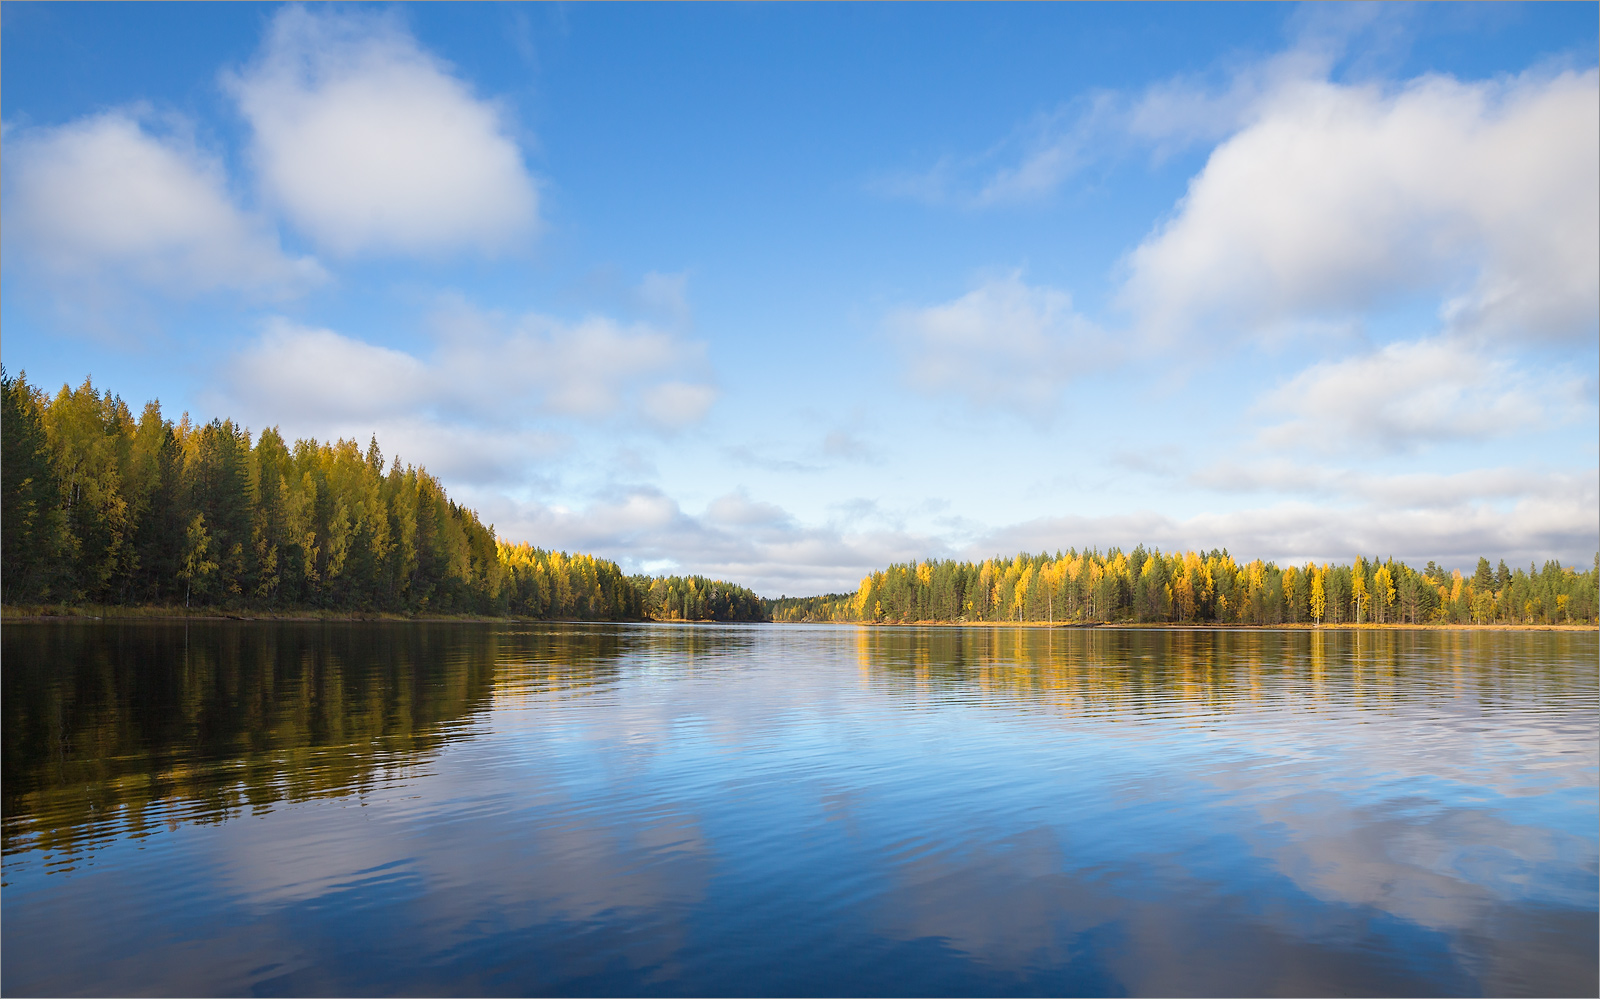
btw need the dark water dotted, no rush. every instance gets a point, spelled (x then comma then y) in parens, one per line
(438, 809)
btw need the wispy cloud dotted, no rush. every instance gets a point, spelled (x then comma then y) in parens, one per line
(1026, 166)
(1005, 343)
(1052, 147)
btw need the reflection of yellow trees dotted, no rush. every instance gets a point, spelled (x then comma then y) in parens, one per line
(577, 660)
(1203, 673)
(1319, 665)
(104, 725)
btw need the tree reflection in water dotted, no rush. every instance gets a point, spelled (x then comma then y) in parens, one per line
(111, 728)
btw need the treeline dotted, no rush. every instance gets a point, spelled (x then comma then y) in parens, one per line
(805, 610)
(696, 598)
(103, 507)
(1209, 587)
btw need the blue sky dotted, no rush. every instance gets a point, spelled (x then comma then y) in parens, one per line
(784, 293)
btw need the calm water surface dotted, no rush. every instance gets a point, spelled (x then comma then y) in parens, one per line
(279, 809)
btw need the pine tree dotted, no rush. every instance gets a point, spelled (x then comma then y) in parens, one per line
(35, 536)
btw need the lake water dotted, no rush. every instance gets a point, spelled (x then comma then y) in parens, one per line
(355, 809)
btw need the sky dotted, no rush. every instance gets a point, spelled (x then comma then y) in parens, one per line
(781, 294)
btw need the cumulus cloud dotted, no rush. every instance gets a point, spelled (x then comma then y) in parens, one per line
(1325, 201)
(372, 145)
(104, 201)
(485, 399)
(738, 509)
(595, 368)
(677, 404)
(1410, 393)
(318, 374)
(1338, 199)
(1004, 343)
(751, 542)
(1453, 529)
(483, 367)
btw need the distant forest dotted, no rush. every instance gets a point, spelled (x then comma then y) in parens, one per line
(101, 507)
(1205, 587)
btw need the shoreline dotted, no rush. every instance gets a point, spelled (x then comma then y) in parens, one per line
(35, 613)
(96, 612)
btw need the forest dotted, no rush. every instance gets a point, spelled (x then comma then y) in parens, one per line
(1206, 587)
(102, 507)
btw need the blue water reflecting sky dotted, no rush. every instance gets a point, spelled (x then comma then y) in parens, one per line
(817, 810)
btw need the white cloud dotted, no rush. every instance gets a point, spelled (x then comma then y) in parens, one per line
(1413, 490)
(665, 296)
(1339, 199)
(1187, 111)
(1451, 519)
(753, 543)
(846, 446)
(484, 400)
(1325, 201)
(1453, 530)
(371, 145)
(1005, 343)
(320, 375)
(509, 456)
(583, 369)
(738, 509)
(1410, 393)
(677, 404)
(102, 201)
